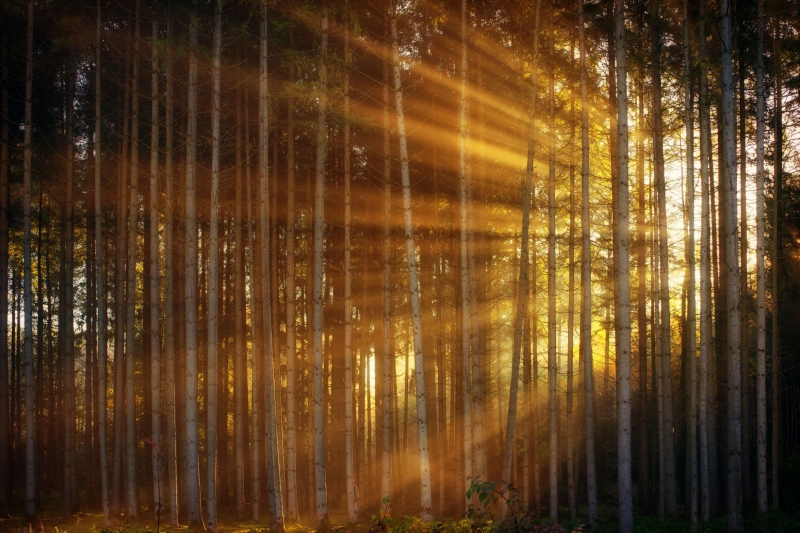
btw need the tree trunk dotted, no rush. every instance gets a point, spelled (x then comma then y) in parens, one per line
(665, 346)
(191, 457)
(761, 313)
(119, 301)
(240, 421)
(552, 356)
(30, 472)
(464, 272)
(586, 285)
(522, 286)
(777, 248)
(383, 379)
(131, 487)
(414, 289)
(213, 278)
(5, 426)
(623, 282)
(691, 311)
(155, 330)
(169, 301)
(319, 204)
(706, 339)
(291, 319)
(102, 346)
(352, 504)
(734, 376)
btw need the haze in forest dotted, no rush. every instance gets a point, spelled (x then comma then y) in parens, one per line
(476, 265)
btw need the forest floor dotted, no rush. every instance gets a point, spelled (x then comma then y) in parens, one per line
(51, 521)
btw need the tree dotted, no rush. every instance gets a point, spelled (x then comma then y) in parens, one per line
(319, 204)
(413, 282)
(193, 516)
(761, 313)
(586, 284)
(155, 329)
(30, 465)
(4, 384)
(623, 281)
(552, 357)
(706, 413)
(352, 508)
(734, 377)
(213, 278)
(101, 308)
(691, 312)
(169, 296)
(131, 489)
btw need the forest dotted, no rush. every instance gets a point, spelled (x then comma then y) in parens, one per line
(400, 266)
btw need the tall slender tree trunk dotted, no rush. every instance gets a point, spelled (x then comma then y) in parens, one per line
(665, 347)
(70, 414)
(586, 284)
(383, 376)
(734, 377)
(761, 313)
(240, 421)
(413, 282)
(777, 248)
(131, 487)
(319, 229)
(291, 311)
(102, 345)
(691, 311)
(5, 421)
(213, 278)
(623, 340)
(464, 272)
(641, 270)
(706, 339)
(30, 465)
(170, 449)
(191, 457)
(522, 285)
(352, 503)
(157, 447)
(552, 355)
(119, 301)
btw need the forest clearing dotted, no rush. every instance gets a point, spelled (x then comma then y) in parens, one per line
(399, 266)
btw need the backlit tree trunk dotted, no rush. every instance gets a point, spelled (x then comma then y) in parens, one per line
(413, 282)
(191, 454)
(157, 448)
(586, 284)
(623, 282)
(131, 487)
(319, 228)
(213, 278)
(734, 377)
(761, 313)
(30, 465)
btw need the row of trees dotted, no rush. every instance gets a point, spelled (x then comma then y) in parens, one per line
(321, 269)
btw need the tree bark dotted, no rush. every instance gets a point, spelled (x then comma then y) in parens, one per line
(691, 310)
(193, 515)
(213, 278)
(413, 282)
(586, 285)
(734, 377)
(30, 466)
(623, 281)
(131, 487)
(155, 329)
(319, 204)
(5, 426)
(761, 313)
